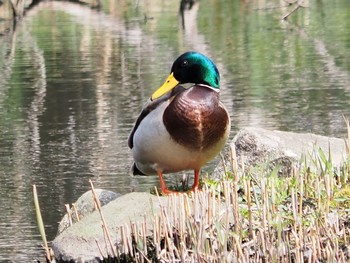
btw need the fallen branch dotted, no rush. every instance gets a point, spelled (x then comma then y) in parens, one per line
(297, 6)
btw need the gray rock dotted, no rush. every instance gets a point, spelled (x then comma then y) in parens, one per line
(256, 146)
(85, 205)
(78, 243)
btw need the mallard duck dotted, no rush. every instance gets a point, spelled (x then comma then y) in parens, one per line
(183, 125)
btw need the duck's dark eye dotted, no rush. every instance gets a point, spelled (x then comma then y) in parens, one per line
(184, 63)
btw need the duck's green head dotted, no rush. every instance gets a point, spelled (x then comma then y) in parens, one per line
(190, 67)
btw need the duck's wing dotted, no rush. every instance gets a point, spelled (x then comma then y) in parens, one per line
(147, 108)
(150, 106)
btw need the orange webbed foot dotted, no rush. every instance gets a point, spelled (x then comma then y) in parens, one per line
(166, 191)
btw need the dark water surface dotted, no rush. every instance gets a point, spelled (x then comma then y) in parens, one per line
(73, 81)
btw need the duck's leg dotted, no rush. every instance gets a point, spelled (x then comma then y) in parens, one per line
(196, 180)
(163, 187)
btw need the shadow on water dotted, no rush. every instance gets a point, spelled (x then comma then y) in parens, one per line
(73, 80)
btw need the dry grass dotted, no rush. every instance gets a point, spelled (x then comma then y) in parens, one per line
(301, 217)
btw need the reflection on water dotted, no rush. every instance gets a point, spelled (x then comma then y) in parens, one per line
(73, 80)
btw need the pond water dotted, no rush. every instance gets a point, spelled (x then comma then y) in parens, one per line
(73, 81)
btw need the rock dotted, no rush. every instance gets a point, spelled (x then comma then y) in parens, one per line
(256, 146)
(78, 243)
(85, 205)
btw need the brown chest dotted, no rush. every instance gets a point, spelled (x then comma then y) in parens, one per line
(196, 119)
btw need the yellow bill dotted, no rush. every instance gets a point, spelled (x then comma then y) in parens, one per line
(168, 85)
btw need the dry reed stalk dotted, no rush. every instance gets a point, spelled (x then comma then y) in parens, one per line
(264, 203)
(69, 214)
(99, 249)
(124, 239)
(129, 241)
(41, 224)
(163, 221)
(104, 225)
(228, 205)
(134, 232)
(144, 235)
(76, 212)
(224, 166)
(233, 156)
(347, 140)
(314, 248)
(234, 199)
(156, 235)
(344, 235)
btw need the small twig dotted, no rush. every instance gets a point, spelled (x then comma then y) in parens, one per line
(297, 6)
